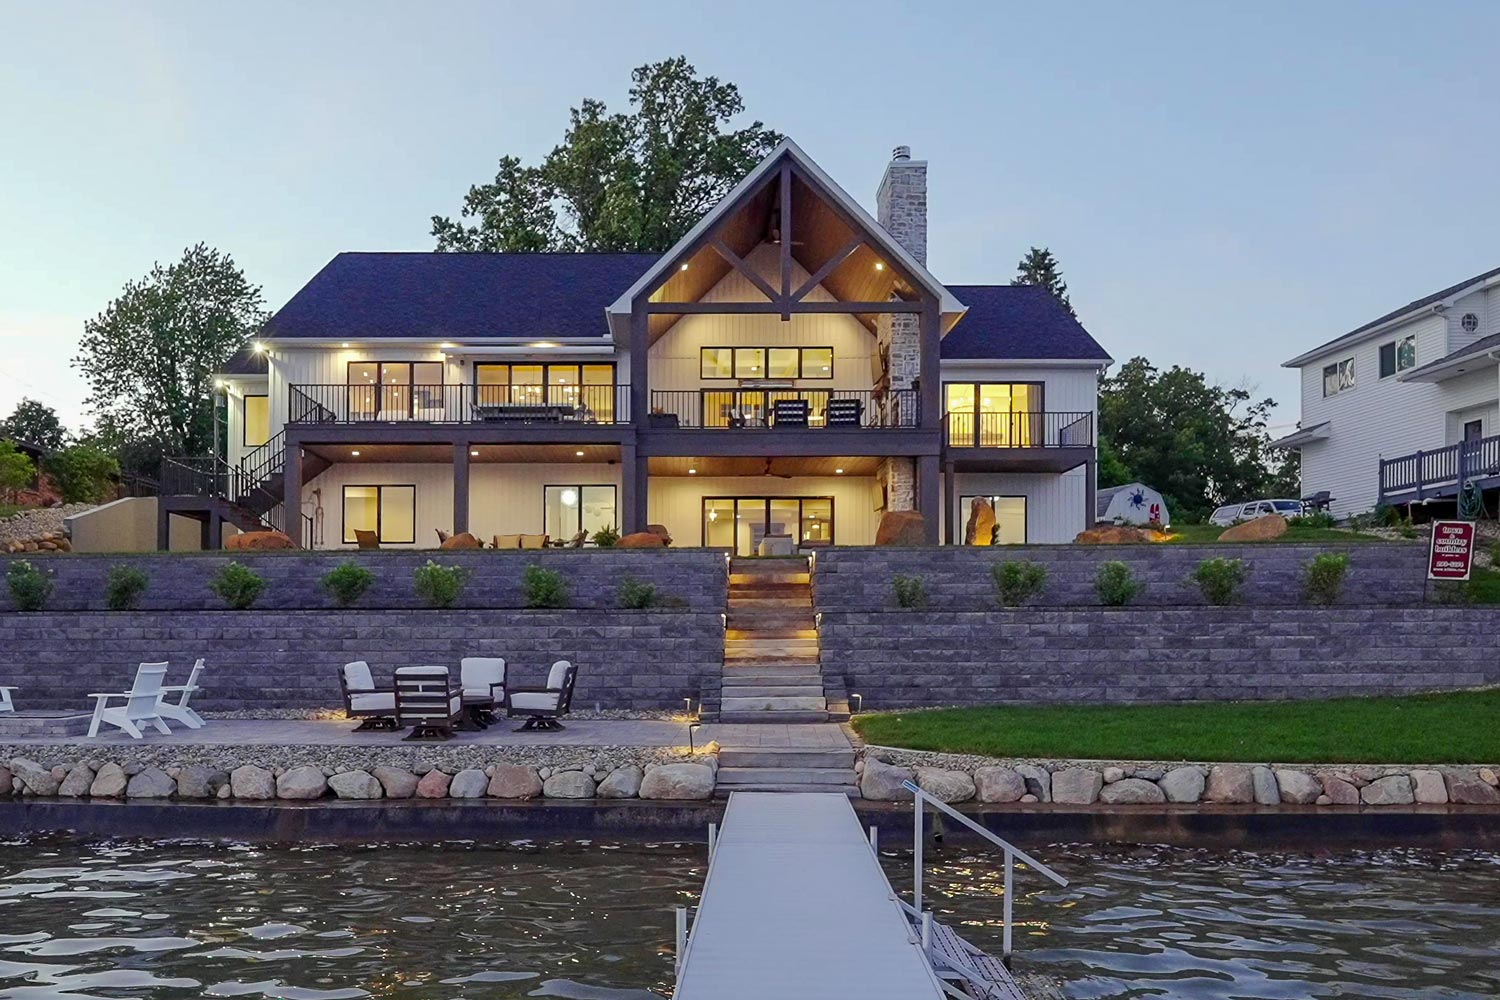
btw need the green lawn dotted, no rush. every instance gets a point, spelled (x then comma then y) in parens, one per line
(1199, 534)
(1438, 728)
(1484, 586)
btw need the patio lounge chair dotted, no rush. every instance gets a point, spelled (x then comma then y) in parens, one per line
(6, 705)
(141, 704)
(542, 707)
(427, 700)
(366, 539)
(179, 711)
(482, 679)
(363, 700)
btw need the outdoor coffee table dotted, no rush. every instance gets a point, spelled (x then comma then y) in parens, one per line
(478, 712)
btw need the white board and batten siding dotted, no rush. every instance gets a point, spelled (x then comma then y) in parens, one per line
(1385, 417)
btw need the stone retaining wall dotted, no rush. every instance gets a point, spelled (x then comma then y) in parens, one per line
(178, 581)
(289, 659)
(959, 578)
(954, 778)
(905, 659)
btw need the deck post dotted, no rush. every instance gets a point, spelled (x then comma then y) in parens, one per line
(291, 493)
(1420, 492)
(1091, 490)
(916, 853)
(928, 492)
(633, 483)
(460, 487)
(1010, 867)
(949, 514)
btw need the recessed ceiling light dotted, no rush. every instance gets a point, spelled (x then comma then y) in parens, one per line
(839, 471)
(879, 266)
(682, 268)
(474, 453)
(259, 346)
(344, 344)
(354, 453)
(578, 453)
(692, 472)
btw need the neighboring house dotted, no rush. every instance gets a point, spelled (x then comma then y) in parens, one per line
(1396, 410)
(790, 367)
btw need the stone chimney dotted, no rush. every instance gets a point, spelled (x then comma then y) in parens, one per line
(901, 209)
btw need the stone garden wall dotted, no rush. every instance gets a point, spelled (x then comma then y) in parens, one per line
(905, 659)
(697, 578)
(959, 578)
(271, 660)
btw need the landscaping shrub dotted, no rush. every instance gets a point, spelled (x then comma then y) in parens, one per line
(638, 594)
(1325, 577)
(347, 583)
(123, 587)
(30, 587)
(606, 537)
(83, 473)
(1219, 579)
(16, 469)
(1018, 581)
(1317, 519)
(911, 592)
(238, 585)
(1115, 584)
(439, 586)
(544, 588)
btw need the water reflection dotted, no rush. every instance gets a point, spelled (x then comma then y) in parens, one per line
(1227, 925)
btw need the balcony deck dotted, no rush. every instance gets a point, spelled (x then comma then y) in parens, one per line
(498, 405)
(1438, 473)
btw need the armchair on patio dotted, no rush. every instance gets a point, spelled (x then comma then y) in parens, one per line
(482, 679)
(6, 705)
(141, 704)
(790, 413)
(845, 412)
(542, 707)
(363, 700)
(179, 711)
(428, 700)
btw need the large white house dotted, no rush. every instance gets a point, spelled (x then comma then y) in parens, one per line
(1406, 407)
(790, 368)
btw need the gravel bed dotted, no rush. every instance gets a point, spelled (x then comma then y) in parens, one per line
(30, 523)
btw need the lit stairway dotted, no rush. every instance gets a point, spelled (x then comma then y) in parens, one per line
(771, 669)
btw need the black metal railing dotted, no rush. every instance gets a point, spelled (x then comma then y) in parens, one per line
(1020, 429)
(785, 409)
(1441, 469)
(459, 404)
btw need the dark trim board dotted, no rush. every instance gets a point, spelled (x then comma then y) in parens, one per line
(825, 442)
(468, 434)
(1017, 460)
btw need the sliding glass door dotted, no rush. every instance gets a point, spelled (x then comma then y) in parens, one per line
(739, 524)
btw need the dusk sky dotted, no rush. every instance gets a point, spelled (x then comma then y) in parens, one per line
(1225, 186)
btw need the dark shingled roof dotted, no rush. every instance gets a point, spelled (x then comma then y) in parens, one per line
(1017, 321)
(246, 361)
(456, 296)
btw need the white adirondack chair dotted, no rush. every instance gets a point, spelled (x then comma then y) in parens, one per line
(6, 705)
(141, 704)
(179, 711)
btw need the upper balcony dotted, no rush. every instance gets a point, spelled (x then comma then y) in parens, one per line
(1019, 441)
(785, 409)
(551, 405)
(1440, 472)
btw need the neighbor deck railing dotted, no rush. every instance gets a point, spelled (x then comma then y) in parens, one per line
(1020, 429)
(1441, 470)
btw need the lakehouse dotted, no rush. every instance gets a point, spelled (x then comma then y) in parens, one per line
(790, 369)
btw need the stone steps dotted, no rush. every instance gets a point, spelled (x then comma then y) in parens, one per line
(774, 718)
(735, 634)
(771, 658)
(743, 578)
(786, 775)
(786, 757)
(732, 702)
(722, 791)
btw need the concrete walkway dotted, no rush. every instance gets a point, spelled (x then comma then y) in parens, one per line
(579, 732)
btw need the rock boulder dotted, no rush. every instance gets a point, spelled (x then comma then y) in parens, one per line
(1183, 784)
(355, 785)
(434, 785)
(678, 781)
(1038, 781)
(397, 782)
(1262, 529)
(881, 782)
(1470, 790)
(1392, 790)
(621, 783)
(1428, 787)
(250, 782)
(514, 781)
(641, 540)
(1229, 783)
(462, 540)
(901, 527)
(258, 541)
(1298, 787)
(1131, 791)
(945, 785)
(470, 783)
(302, 782)
(109, 783)
(981, 527)
(568, 785)
(78, 782)
(998, 784)
(152, 783)
(1078, 786)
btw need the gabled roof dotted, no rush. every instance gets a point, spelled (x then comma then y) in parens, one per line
(1018, 322)
(1454, 363)
(457, 296)
(1416, 305)
(246, 361)
(949, 307)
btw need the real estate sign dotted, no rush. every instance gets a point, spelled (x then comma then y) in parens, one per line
(1452, 552)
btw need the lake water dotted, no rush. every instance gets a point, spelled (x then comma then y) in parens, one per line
(592, 921)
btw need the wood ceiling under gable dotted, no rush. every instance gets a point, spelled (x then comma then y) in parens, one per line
(820, 232)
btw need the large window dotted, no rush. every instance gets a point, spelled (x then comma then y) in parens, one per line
(256, 424)
(765, 362)
(994, 414)
(571, 509)
(389, 511)
(587, 389)
(395, 390)
(1010, 520)
(740, 523)
(1338, 377)
(1397, 356)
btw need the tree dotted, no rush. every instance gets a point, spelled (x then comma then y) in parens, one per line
(16, 469)
(634, 181)
(83, 473)
(35, 423)
(1200, 445)
(150, 356)
(1040, 267)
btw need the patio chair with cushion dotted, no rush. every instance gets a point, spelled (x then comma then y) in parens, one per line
(482, 679)
(140, 707)
(429, 701)
(363, 700)
(541, 707)
(179, 711)
(6, 705)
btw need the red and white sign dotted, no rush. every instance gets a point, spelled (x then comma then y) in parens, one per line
(1452, 552)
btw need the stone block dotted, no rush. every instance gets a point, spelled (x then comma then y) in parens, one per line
(1182, 784)
(1229, 783)
(881, 782)
(514, 781)
(945, 785)
(998, 784)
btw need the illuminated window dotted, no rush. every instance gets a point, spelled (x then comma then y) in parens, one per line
(571, 509)
(784, 362)
(766, 362)
(716, 362)
(389, 511)
(1010, 519)
(257, 423)
(994, 414)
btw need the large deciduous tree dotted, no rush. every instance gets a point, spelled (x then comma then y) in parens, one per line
(35, 423)
(631, 181)
(1040, 267)
(1199, 444)
(149, 358)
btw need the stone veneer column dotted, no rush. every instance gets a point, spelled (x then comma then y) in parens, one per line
(901, 208)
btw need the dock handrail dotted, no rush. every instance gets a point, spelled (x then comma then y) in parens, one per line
(1012, 853)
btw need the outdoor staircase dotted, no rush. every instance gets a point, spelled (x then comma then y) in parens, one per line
(772, 671)
(786, 769)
